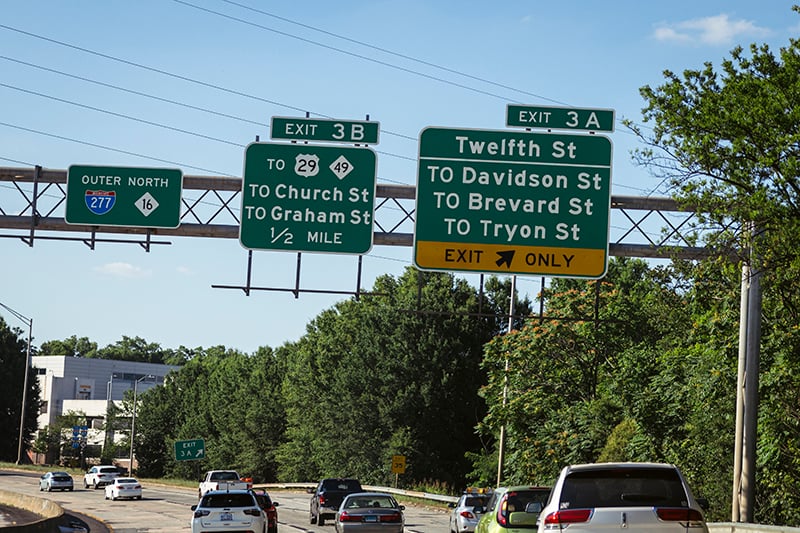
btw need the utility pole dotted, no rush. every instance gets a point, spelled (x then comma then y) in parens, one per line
(502, 441)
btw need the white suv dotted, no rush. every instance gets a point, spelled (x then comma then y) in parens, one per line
(228, 510)
(100, 475)
(630, 497)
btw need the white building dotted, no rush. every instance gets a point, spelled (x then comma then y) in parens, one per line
(87, 385)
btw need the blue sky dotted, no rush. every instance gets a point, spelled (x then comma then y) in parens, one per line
(406, 64)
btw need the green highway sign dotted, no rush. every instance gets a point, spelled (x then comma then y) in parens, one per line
(124, 196)
(513, 202)
(560, 118)
(190, 450)
(308, 198)
(315, 129)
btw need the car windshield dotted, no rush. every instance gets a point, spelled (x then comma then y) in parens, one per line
(623, 488)
(228, 499)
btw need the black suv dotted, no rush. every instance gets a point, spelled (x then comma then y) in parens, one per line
(328, 495)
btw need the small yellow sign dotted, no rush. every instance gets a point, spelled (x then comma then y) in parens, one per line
(398, 464)
(511, 259)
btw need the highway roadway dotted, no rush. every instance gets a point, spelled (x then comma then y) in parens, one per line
(167, 509)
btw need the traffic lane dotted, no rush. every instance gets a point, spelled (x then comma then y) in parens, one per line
(168, 509)
(294, 512)
(160, 509)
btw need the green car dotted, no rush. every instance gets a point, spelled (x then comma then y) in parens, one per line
(513, 510)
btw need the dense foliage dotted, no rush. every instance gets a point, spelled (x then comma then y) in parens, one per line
(728, 141)
(394, 372)
(13, 357)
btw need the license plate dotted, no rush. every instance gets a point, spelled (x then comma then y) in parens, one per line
(226, 517)
(371, 518)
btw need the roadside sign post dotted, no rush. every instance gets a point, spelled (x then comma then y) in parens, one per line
(398, 466)
(308, 198)
(190, 450)
(513, 202)
(124, 196)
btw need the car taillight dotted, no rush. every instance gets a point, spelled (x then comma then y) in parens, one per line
(253, 512)
(344, 517)
(569, 516)
(391, 518)
(201, 513)
(467, 514)
(678, 514)
(321, 499)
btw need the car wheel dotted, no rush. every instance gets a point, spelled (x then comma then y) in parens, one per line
(94, 485)
(312, 519)
(138, 497)
(273, 529)
(85, 484)
(49, 488)
(320, 521)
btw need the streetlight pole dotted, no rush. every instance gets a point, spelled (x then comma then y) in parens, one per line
(133, 420)
(29, 322)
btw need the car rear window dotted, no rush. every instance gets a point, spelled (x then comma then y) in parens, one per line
(518, 500)
(623, 488)
(224, 476)
(342, 484)
(472, 501)
(109, 470)
(228, 500)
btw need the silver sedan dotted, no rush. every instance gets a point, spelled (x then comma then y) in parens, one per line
(55, 481)
(369, 512)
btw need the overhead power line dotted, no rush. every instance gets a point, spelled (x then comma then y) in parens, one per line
(117, 150)
(131, 91)
(121, 115)
(181, 77)
(390, 52)
(345, 52)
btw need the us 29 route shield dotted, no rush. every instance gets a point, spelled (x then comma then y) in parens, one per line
(513, 202)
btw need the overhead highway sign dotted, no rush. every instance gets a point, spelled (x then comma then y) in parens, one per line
(513, 202)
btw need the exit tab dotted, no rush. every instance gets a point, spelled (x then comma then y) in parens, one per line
(315, 129)
(560, 118)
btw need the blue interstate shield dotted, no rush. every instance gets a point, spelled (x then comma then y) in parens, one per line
(100, 202)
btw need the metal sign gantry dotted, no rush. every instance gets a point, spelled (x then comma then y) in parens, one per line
(32, 202)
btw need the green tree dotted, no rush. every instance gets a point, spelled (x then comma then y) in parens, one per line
(726, 140)
(13, 360)
(134, 349)
(229, 399)
(569, 381)
(71, 346)
(391, 374)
